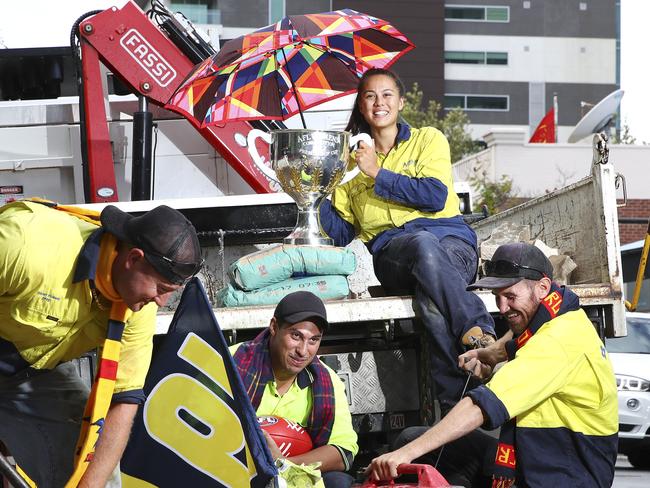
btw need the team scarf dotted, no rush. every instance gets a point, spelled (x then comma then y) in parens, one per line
(101, 392)
(559, 301)
(253, 362)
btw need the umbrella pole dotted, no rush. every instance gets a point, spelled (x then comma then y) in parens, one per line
(302, 117)
(293, 87)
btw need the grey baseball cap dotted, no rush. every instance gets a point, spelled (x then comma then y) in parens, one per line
(166, 237)
(512, 263)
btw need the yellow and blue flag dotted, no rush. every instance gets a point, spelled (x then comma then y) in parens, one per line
(197, 427)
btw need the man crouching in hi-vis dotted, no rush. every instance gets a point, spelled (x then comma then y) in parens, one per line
(283, 377)
(70, 283)
(555, 398)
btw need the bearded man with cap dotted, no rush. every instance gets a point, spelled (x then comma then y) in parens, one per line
(70, 284)
(555, 397)
(283, 377)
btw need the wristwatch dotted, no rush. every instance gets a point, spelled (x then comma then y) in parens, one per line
(281, 464)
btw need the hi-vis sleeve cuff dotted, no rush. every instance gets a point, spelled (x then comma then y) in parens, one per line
(346, 456)
(335, 226)
(134, 397)
(494, 410)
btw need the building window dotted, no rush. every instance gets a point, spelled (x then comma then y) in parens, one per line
(475, 57)
(475, 13)
(198, 11)
(496, 58)
(276, 10)
(477, 102)
(454, 101)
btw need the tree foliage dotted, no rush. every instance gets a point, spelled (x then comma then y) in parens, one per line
(495, 195)
(624, 136)
(453, 124)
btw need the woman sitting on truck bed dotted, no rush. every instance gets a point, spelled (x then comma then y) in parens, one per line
(403, 207)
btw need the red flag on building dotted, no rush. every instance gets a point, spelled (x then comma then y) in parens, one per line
(545, 131)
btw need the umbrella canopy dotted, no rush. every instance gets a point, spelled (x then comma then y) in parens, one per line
(287, 67)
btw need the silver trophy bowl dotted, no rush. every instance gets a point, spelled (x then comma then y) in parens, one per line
(308, 165)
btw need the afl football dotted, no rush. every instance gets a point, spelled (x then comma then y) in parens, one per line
(290, 436)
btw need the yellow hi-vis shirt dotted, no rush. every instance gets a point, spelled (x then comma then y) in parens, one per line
(424, 155)
(562, 391)
(296, 405)
(562, 377)
(45, 318)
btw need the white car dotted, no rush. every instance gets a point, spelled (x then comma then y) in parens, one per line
(630, 356)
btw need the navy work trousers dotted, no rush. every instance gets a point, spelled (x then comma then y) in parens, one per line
(337, 479)
(437, 271)
(40, 419)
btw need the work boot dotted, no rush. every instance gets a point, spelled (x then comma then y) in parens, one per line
(475, 338)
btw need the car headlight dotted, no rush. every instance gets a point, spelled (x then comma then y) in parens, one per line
(631, 383)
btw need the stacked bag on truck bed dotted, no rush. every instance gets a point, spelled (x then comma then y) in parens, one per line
(264, 277)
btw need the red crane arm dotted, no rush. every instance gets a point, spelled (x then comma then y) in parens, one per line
(135, 49)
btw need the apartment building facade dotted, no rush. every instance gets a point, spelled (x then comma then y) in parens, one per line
(502, 61)
(506, 59)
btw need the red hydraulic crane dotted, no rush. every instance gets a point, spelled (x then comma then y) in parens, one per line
(143, 55)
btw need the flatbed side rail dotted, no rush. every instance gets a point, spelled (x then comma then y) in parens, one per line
(581, 221)
(368, 309)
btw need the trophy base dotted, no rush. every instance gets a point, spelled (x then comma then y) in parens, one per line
(308, 240)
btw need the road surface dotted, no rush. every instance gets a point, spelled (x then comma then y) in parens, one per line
(628, 477)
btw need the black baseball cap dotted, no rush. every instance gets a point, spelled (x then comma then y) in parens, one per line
(301, 305)
(166, 237)
(512, 263)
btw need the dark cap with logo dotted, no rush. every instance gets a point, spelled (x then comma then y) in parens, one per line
(512, 263)
(166, 237)
(301, 305)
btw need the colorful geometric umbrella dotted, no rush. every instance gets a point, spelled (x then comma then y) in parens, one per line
(287, 67)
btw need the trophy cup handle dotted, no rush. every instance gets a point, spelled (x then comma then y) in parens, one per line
(257, 159)
(353, 142)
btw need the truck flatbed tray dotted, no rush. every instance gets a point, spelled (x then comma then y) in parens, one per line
(366, 309)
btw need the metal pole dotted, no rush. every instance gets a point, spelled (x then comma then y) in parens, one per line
(142, 137)
(9, 472)
(555, 116)
(631, 306)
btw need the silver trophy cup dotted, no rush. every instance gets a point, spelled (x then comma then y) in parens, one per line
(308, 165)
